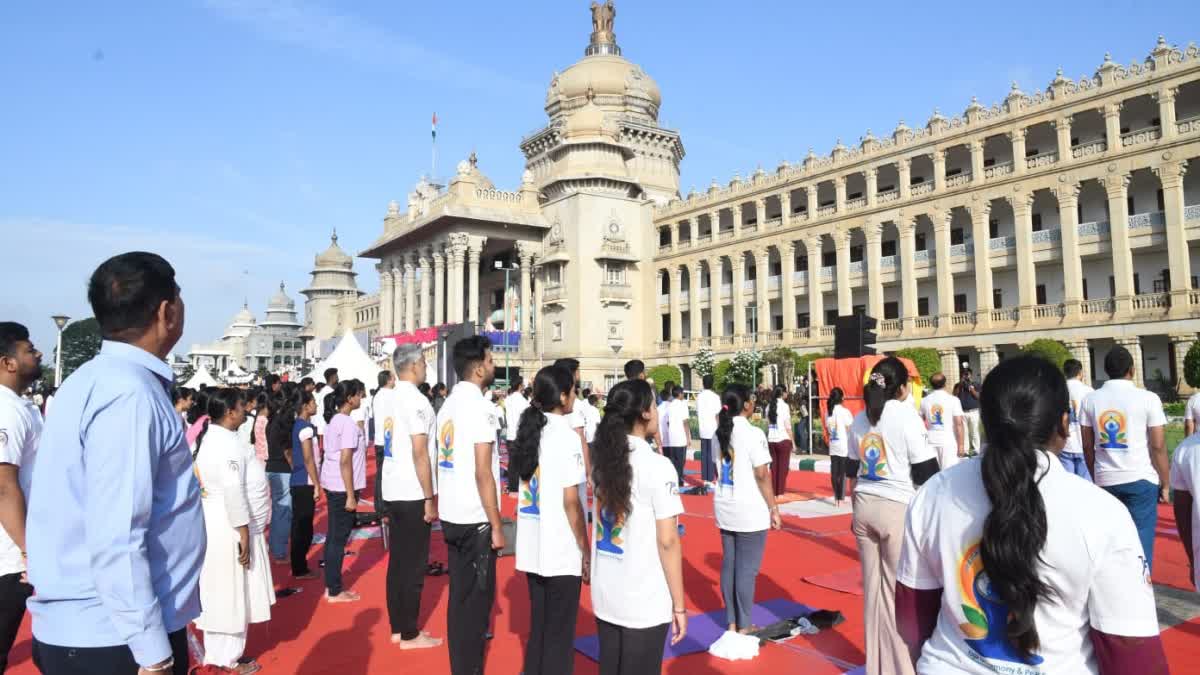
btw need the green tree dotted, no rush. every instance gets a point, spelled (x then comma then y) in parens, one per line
(721, 374)
(785, 360)
(704, 362)
(926, 360)
(1191, 366)
(80, 344)
(803, 360)
(1052, 350)
(663, 374)
(745, 366)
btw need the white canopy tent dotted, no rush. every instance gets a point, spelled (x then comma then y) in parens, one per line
(201, 379)
(351, 361)
(234, 374)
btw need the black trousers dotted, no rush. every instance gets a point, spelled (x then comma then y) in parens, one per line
(678, 455)
(55, 660)
(408, 552)
(553, 604)
(841, 468)
(13, 594)
(512, 482)
(631, 651)
(303, 507)
(472, 563)
(340, 524)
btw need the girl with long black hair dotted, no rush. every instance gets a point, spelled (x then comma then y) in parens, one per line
(1012, 564)
(889, 440)
(837, 425)
(744, 503)
(637, 563)
(304, 483)
(779, 437)
(343, 474)
(280, 412)
(552, 544)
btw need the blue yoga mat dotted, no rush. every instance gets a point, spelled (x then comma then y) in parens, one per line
(705, 629)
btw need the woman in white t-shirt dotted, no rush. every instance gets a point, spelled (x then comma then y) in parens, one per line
(637, 562)
(841, 467)
(744, 503)
(779, 438)
(552, 545)
(1011, 564)
(889, 438)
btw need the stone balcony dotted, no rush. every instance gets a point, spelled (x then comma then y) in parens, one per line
(998, 170)
(1089, 149)
(1140, 137)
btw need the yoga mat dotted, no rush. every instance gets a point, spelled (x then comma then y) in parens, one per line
(848, 580)
(705, 629)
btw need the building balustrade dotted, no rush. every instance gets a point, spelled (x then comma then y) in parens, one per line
(663, 299)
(661, 346)
(800, 276)
(1100, 306)
(1146, 135)
(1194, 297)
(1049, 236)
(859, 267)
(960, 250)
(922, 256)
(749, 227)
(1147, 301)
(889, 196)
(686, 243)
(919, 189)
(826, 210)
(959, 180)
(1042, 160)
(617, 247)
(1089, 149)
(773, 337)
(926, 322)
(827, 331)
(726, 290)
(856, 203)
(1049, 311)
(891, 326)
(1005, 314)
(684, 296)
(962, 319)
(616, 292)
(724, 341)
(887, 261)
(1001, 243)
(1140, 220)
(998, 170)
(1191, 212)
(663, 248)
(773, 283)
(1094, 228)
(725, 235)
(1188, 126)
(828, 272)
(748, 285)
(703, 239)
(559, 292)
(773, 222)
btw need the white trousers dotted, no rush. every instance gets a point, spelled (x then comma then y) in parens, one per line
(971, 442)
(223, 649)
(947, 456)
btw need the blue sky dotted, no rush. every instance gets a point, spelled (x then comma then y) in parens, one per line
(232, 135)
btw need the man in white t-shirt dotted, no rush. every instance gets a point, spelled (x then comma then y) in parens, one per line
(943, 415)
(1123, 431)
(1185, 477)
(407, 491)
(708, 406)
(469, 502)
(1072, 456)
(677, 436)
(1191, 414)
(20, 430)
(331, 380)
(514, 404)
(578, 422)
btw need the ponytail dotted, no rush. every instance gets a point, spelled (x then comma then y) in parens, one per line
(884, 382)
(340, 394)
(283, 409)
(776, 394)
(218, 405)
(549, 386)
(733, 400)
(611, 472)
(1022, 403)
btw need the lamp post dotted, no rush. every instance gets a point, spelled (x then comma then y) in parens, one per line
(508, 268)
(60, 322)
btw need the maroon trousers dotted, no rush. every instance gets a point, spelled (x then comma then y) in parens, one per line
(781, 454)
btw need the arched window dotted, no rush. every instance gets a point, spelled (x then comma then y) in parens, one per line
(278, 344)
(287, 360)
(278, 359)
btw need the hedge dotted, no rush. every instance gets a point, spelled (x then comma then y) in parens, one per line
(1191, 366)
(926, 360)
(1052, 350)
(662, 374)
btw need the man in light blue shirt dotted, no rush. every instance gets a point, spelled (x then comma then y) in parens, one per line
(118, 537)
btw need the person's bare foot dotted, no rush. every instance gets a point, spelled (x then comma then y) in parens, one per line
(422, 641)
(344, 596)
(247, 668)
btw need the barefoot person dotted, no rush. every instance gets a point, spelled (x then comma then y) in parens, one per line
(409, 494)
(343, 474)
(841, 468)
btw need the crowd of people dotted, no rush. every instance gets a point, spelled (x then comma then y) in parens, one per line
(151, 507)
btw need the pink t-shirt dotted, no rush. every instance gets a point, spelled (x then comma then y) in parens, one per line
(343, 434)
(193, 431)
(260, 436)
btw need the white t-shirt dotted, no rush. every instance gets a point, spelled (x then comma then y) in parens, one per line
(514, 405)
(318, 420)
(1119, 413)
(361, 415)
(379, 407)
(939, 409)
(629, 587)
(408, 413)
(20, 432)
(781, 430)
(1185, 475)
(545, 543)
(888, 450)
(675, 428)
(1079, 393)
(708, 406)
(738, 503)
(591, 418)
(1192, 412)
(1092, 560)
(838, 424)
(464, 420)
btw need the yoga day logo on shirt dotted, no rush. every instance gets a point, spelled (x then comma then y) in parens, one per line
(727, 470)
(387, 437)
(1074, 412)
(446, 441)
(935, 416)
(531, 495)
(608, 533)
(986, 628)
(874, 455)
(1112, 430)
(833, 433)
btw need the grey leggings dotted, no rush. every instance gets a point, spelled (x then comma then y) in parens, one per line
(743, 552)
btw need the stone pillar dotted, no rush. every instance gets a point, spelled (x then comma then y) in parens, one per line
(715, 219)
(1166, 111)
(872, 175)
(816, 303)
(739, 215)
(386, 299)
(1080, 352)
(908, 277)
(945, 275)
(1018, 150)
(810, 193)
(982, 263)
(716, 312)
(539, 329)
(454, 281)
(1117, 187)
(949, 364)
(841, 244)
(473, 255)
(839, 188)
(1171, 175)
(904, 168)
(760, 213)
(410, 294)
(988, 358)
(785, 208)
(1182, 343)
(675, 236)
(1134, 345)
(1062, 127)
(694, 302)
(787, 285)
(1112, 126)
(439, 288)
(676, 308)
(874, 252)
(398, 297)
(737, 292)
(525, 255)
(1068, 215)
(762, 257)
(1022, 205)
(939, 170)
(425, 264)
(976, 161)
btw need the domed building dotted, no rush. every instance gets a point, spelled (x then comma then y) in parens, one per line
(330, 297)
(273, 345)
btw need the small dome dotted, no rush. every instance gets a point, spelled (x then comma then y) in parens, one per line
(605, 75)
(280, 301)
(244, 317)
(334, 256)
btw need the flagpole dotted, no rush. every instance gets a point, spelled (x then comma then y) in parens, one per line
(433, 159)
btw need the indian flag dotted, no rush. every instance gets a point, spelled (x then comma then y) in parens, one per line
(435, 126)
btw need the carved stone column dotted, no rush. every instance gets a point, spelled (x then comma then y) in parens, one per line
(714, 218)
(1062, 128)
(839, 187)
(939, 170)
(398, 296)
(525, 256)
(424, 262)
(787, 285)
(760, 213)
(874, 233)
(950, 364)
(676, 308)
(1018, 150)
(694, 272)
(945, 273)
(1166, 111)
(810, 194)
(904, 168)
(872, 176)
(841, 245)
(473, 254)
(1068, 215)
(1117, 188)
(980, 233)
(1181, 344)
(439, 287)
(785, 208)
(410, 294)
(762, 257)
(716, 312)
(1171, 175)
(816, 303)
(988, 358)
(976, 161)
(454, 279)
(1022, 205)
(738, 293)
(908, 277)
(1112, 126)
(386, 299)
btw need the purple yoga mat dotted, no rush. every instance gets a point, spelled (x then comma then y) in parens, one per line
(705, 629)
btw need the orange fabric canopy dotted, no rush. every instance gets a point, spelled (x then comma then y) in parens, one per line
(850, 374)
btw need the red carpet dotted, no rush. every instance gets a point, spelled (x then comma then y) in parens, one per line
(848, 580)
(308, 637)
